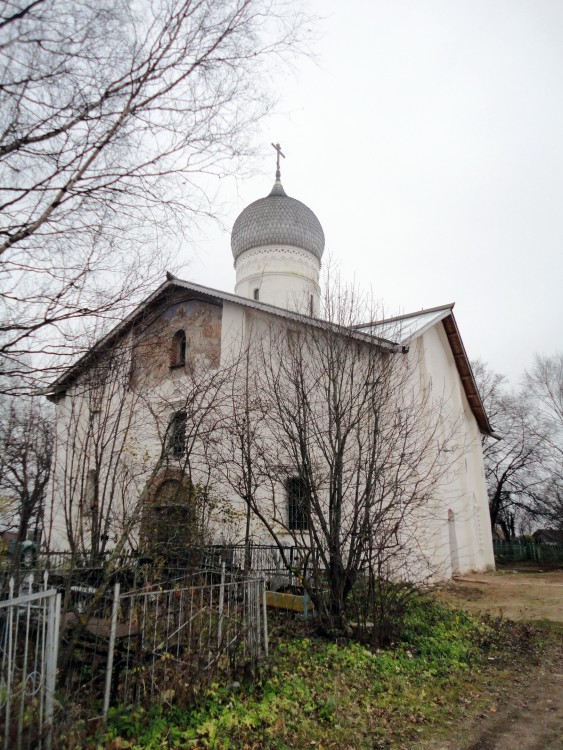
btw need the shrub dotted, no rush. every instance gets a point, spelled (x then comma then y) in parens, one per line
(377, 609)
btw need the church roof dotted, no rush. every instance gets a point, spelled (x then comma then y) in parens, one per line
(391, 334)
(277, 219)
(408, 327)
(210, 295)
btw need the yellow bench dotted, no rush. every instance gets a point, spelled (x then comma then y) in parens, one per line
(291, 602)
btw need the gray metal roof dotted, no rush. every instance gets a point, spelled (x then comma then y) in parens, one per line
(213, 295)
(405, 328)
(277, 219)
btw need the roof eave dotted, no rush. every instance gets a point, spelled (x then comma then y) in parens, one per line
(398, 318)
(59, 386)
(466, 375)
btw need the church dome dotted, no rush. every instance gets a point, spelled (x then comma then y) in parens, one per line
(277, 219)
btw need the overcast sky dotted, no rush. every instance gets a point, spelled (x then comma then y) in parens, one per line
(428, 139)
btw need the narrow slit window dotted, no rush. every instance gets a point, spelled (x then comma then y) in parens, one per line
(178, 349)
(297, 504)
(256, 294)
(178, 433)
(91, 493)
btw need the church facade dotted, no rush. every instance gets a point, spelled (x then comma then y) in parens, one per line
(207, 416)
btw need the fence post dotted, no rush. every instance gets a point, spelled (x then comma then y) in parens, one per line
(221, 605)
(291, 565)
(265, 618)
(53, 627)
(305, 604)
(111, 649)
(24, 665)
(9, 663)
(257, 588)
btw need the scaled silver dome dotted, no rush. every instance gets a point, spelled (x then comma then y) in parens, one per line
(277, 220)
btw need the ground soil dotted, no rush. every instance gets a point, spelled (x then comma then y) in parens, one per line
(523, 709)
(515, 594)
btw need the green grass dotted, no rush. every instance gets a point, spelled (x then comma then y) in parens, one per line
(321, 694)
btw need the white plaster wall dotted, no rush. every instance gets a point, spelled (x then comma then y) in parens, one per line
(234, 332)
(285, 276)
(118, 420)
(463, 491)
(461, 516)
(133, 426)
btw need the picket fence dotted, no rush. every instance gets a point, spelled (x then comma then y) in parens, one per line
(508, 552)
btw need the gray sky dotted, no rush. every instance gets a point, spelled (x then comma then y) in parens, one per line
(428, 139)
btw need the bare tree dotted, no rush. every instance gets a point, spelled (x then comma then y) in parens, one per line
(241, 459)
(545, 382)
(26, 435)
(337, 449)
(91, 473)
(544, 385)
(549, 501)
(108, 113)
(514, 464)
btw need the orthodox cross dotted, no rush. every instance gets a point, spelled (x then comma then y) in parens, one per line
(279, 152)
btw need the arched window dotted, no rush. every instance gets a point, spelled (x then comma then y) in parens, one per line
(178, 349)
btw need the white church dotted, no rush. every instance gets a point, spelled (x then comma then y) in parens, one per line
(217, 417)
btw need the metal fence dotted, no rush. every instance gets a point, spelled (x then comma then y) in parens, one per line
(506, 552)
(161, 643)
(169, 644)
(257, 558)
(29, 630)
(113, 643)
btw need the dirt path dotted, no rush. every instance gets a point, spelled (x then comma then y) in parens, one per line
(527, 717)
(527, 714)
(515, 595)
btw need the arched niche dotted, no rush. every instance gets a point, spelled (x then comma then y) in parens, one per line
(169, 527)
(452, 535)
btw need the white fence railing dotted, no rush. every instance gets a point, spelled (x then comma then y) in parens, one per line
(156, 644)
(29, 640)
(166, 644)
